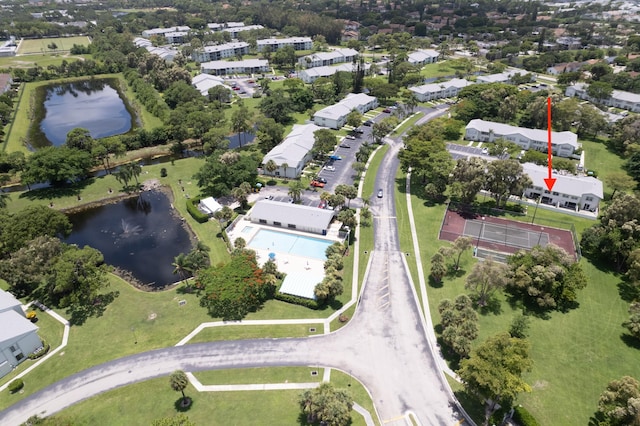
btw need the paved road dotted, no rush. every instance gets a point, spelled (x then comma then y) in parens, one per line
(384, 345)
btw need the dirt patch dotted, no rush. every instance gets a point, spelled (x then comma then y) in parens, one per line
(152, 316)
(540, 384)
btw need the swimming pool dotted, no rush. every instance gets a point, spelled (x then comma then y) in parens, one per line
(247, 229)
(283, 242)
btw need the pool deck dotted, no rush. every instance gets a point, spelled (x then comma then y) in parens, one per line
(287, 262)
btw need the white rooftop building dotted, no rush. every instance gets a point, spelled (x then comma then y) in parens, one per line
(446, 89)
(503, 77)
(235, 30)
(220, 51)
(162, 31)
(563, 144)
(312, 74)
(298, 43)
(335, 116)
(246, 66)
(291, 216)
(569, 191)
(204, 82)
(423, 57)
(321, 59)
(294, 151)
(618, 99)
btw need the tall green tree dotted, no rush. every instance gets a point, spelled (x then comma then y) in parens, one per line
(57, 165)
(79, 138)
(505, 178)
(324, 142)
(459, 324)
(240, 122)
(495, 369)
(269, 134)
(632, 324)
(468, 178)
(217, 179)
(178, 381)
(296, 188)
(619, 404)
(327, 404)
(33, 221)
(485, 279)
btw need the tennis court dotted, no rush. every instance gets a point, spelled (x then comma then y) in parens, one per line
(505, 234)
(500, 237)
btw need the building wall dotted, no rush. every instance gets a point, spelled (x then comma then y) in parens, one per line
(564, 150)
(307, 228)
(25, 345)
(330, 123)
(583, 202)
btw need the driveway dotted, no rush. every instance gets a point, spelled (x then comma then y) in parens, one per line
(384, 345)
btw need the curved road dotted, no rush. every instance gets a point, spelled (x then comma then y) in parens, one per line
(384, 345)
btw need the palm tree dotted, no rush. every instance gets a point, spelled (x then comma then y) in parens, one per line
(271, 166)
(181, 266)
(178, 382)
(295, 190)
(132, 170)
(285, 166)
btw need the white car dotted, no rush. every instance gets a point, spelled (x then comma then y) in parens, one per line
(330, 168)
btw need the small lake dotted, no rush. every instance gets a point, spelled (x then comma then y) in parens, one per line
(95, 105)
(142, 235)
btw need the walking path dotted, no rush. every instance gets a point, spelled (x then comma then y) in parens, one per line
(388, 345)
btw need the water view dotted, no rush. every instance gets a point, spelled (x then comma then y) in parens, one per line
(91, 104)
(141, 235)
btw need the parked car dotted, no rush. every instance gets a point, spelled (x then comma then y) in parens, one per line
(330, 168)
(335, 157)
(350, 137)
(344, 145)
(380, 193)
(368, 123)
(485, 151)
(317, 184)
(358, 130)
(322, 205)
(387, 110)
(321, 179)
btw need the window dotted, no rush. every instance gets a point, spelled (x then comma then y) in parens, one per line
(262, 221)
(589, 198)
(291, 226)
(19, 356)
(277, 223)
(555, 193)
(12, 349)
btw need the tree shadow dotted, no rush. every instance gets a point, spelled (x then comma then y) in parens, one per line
(630, 341)
(472, 404)
(628, 291)
(435, 284)
(55, 192)
(78, 314)
(181, 406)
(492, 306)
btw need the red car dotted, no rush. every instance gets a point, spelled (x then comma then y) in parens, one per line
(317, 184)
(322, 204)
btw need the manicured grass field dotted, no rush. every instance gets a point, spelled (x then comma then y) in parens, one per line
(370, 181)
(43, 60)
(143, 402)
(603, 161)
(408, 124)
(441, 69)
(575, 354)
(239, 332)
(260, 375)
(40, 45)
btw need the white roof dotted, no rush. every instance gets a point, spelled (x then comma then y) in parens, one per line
(231, 29)
(292, 214)
(625, 96)
(15, 326)
(301, 283)
(436, 87)
(177, 34)
(500, 77)
(245, 63)
(337, 53)
(7, 301)
(501, 129)
(565, 184)
(294, 147)
(142, 42)
(327, 71)
(210, 204)
(226, 46)
(276, 41)
(345, 106)
(203, 82)
(421, 55)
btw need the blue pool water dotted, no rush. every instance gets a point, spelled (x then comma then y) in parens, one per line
(282, 242)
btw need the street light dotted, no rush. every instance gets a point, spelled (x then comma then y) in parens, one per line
(540, 236)
(536, 210)
(479, 235)
(135, 338)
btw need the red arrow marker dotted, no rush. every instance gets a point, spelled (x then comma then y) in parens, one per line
(549, 181)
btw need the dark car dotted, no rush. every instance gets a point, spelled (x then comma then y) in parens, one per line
(321, 179)
(359, 130)
(386, 110)
(344, 145)
(368, 123)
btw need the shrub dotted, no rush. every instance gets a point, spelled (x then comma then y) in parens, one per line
(523, 417)
(163, 172)
(15, 386)
(40, 352)
(192, 208)
(296, 300)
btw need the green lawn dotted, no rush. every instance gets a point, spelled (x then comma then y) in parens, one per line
(142, 402)
(239, 332)
(40, 45)
(603, 161)
(575, 354)
(42, 60)
(440, 69)
(408, 124)
(370, 181)
(260, 375)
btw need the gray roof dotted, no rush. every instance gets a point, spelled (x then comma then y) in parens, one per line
(421, 55)
(277, 41)
(301, 284)
(615, 94)
(344, 107)
(436, 87)
(326, 71)
(500, 77)
(203, 82)
(501, 129)
(565, 184)
(292, 214)
(14, 326)
(226, 46)
(294, 147)
(333, 54)
(7, 301)
(245, 63)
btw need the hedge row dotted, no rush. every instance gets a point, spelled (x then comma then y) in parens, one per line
(15, 386)
(523, 417)
(309, 303)
(42, 351)
(192, 208)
